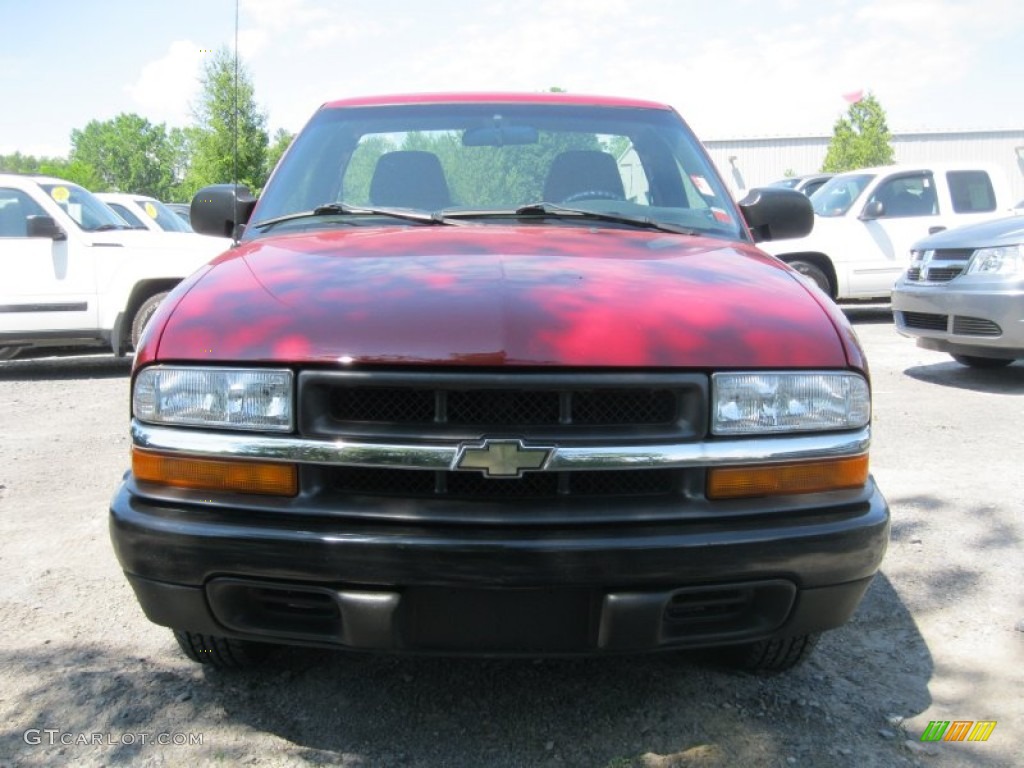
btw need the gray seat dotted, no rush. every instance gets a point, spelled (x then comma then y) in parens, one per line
(582, 174)
(409, 179)
(12, 220)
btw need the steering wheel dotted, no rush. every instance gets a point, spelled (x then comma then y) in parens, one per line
(592, 194)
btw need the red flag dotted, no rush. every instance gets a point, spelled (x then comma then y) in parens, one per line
(854, 96)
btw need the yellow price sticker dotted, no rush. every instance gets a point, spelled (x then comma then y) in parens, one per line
(150, 210)
(60, 194)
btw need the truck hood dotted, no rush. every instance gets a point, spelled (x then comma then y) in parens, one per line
(492, 295)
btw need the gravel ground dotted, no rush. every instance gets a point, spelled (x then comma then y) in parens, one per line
(86, 680)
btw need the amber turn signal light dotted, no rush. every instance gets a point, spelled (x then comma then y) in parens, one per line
(268, 478)
(782, 479)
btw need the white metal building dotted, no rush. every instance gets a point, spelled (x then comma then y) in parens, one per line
(750, 162)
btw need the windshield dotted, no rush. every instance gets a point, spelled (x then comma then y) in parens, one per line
(477, 160)
(165, 218)
(86, 210)
(837, 194)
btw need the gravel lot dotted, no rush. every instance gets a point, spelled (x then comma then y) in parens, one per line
(86, 680)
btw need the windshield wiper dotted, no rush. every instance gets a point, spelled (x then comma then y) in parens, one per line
(551, 209)
(333, 209)
(108, 227)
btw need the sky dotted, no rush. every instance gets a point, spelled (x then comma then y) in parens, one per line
(732, 68)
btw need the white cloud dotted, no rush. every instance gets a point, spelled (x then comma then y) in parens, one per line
(166, 87)
(251, 42)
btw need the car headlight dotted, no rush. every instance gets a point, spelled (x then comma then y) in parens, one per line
(232, 398)
(757, 403)
(1004, 260)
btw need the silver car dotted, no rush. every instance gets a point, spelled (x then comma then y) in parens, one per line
(964, 293)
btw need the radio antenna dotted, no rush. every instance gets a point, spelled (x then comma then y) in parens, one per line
(234, 133)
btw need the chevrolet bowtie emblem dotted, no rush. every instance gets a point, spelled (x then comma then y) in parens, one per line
(501, 458)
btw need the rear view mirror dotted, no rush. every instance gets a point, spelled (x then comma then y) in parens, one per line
(774, 213)
(873, 210)
(500, 136)
(43, 226)
(221, 210)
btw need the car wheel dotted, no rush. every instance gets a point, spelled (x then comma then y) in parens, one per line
(221, 652)
(9, 353)
(143, 315)
(982, 362)
(814, 274)
(776, 655)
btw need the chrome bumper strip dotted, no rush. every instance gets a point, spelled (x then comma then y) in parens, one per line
(443, 455)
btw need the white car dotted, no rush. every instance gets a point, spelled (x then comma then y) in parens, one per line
(75, 274)
(867, 220)
(143, 212)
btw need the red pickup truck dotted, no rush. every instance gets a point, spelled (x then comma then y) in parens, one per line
(499, 374)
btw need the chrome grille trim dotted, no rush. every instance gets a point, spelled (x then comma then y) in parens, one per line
(443, 455)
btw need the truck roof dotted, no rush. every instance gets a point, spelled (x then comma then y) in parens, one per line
(495, 97)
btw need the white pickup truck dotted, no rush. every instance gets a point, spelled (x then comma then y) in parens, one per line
(866, 221)
(73, 273)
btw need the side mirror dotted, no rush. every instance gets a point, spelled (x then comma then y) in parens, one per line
(873, 210)
(44, 226)
(221, 210)
(775, 213)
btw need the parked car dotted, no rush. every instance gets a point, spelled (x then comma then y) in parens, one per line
(182, 210)
(964, 293)
(144, 212)
(453, 393)
(866, 221)
(808, 184)
(75, 274)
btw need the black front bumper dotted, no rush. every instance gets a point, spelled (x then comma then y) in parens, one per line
(531, 590)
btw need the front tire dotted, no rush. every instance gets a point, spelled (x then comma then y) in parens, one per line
(144, 315)
(814, 273)
(775, 655)
(973, 361)
(220, 652)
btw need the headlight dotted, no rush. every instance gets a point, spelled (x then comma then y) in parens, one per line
(1005, 260)
(757, 403)
(233, 398)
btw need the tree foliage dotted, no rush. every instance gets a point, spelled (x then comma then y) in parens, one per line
(225, 114)
(860, 139)
(278, 146)
(127, 154)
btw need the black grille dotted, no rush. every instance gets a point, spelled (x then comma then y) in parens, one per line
(624, 406)
(925, 321)
(467, 406)
(935, 274)
(356, 481)
(952, 254)
(388, 404)
(975, 326)
(487, 407)
(499, 406)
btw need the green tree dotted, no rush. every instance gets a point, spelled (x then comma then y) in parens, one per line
(860, 139)
(78, 171)
(229, 127)
(127, 154)
(19, 163)
(278, 145)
